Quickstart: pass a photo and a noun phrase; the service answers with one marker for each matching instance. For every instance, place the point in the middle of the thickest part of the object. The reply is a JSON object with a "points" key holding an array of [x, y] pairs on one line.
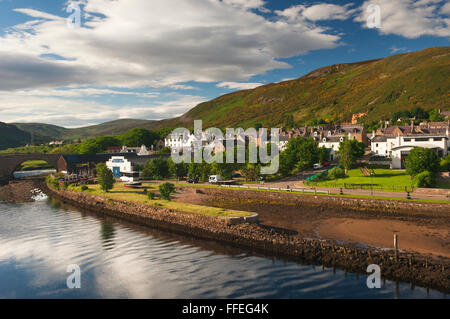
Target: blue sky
{"points": [[157, 59]]}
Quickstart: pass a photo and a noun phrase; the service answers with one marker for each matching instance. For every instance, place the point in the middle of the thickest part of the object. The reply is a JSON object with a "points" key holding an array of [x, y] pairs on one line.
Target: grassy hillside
{"points": [[335, 93], [12, 136]]}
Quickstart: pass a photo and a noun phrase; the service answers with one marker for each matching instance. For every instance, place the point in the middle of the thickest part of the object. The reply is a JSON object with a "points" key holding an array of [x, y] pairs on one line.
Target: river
{"points": [[123, 260]]}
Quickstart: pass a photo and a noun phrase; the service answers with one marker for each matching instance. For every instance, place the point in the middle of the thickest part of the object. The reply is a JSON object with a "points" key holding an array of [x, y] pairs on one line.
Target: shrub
{"points": [[65, 185], [166, 190], [84, 188], [151, 195], [420, 160], [445, 164], [424, 179], [336, 173]]}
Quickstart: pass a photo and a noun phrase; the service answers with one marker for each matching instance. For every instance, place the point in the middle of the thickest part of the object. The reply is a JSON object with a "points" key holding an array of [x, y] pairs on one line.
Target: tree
{"points": [[424, 179], [179, 171], [301, 153], [98, 144], [324, 154], [336, 173], [138, 136], [445, 164], [350, 151], [200, 170], [435, 116], [105, 177], [252, 172], [420, 160], [166, 190], [157, 168]]}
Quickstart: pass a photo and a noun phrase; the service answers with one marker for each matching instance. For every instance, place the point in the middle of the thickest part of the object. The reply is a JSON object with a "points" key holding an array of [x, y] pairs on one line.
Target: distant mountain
{"points": [[109, 128], [12, 136], [334, 93]]}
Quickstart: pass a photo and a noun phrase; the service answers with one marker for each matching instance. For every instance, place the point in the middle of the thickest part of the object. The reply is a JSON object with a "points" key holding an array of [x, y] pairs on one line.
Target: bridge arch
{"points": [[10, 162]]}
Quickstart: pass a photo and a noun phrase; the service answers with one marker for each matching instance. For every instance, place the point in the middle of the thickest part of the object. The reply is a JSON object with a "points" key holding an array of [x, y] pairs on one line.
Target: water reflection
{"points": [[107, 233], [124, 260]]}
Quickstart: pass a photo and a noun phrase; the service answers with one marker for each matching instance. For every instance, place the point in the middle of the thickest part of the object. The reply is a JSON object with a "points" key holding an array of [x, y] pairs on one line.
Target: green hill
{"points": [[11, 136], [109, 128], [334, 93]]}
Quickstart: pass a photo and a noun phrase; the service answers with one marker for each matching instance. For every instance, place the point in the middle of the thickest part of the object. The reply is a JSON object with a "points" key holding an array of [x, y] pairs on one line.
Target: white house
{"points": [[400, 146], [379, 145], [332, 143], [141, 151], [123, 168]]}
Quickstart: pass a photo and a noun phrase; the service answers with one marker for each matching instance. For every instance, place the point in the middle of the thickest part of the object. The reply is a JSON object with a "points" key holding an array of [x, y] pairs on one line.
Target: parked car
{"points": [[215, 179], [318, 166], [192, 180]]}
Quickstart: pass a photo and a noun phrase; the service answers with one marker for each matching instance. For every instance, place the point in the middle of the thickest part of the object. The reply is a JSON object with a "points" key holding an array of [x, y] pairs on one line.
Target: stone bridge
{"points": [[9, 163]]}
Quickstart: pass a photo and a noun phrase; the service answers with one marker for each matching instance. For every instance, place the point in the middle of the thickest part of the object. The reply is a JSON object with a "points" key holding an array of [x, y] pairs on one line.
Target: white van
{"points": [[318, 166], [214, 179]]}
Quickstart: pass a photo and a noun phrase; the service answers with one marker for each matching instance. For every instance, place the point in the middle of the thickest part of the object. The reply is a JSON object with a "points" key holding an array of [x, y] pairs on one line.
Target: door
{"points": [[116, 172]]}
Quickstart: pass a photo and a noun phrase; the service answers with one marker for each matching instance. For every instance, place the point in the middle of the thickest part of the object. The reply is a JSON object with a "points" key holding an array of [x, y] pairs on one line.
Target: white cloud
{"points": [[446, 9], [46, 106], [318, 12], [141, 43], [395, 49], [239, 85], [410, 19]]}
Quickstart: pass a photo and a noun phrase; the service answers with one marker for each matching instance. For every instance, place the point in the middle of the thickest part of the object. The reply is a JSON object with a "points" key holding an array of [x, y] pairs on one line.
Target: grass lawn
{"points": [[384, 179], [34, 166], [135, 195]]}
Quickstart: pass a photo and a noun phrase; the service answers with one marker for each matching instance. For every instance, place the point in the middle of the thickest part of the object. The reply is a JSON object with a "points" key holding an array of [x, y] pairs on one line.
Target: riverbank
{"points": [[416, 269], [21, 191]]}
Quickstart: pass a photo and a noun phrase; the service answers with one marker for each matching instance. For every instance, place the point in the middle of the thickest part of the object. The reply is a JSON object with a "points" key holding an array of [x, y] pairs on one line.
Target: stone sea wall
{"points": [[418, 270]]}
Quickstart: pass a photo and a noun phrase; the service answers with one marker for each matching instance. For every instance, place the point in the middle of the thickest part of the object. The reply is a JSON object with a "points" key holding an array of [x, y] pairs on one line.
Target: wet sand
{"points": [[427, 235]]}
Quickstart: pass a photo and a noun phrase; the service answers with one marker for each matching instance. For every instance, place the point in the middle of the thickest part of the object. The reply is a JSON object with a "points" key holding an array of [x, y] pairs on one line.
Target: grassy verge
{"points": [[384, 180], [119, 192]]}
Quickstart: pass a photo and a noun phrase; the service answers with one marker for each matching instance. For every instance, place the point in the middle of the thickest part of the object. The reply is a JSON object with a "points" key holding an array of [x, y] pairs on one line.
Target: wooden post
{"points": [[395, 245]]}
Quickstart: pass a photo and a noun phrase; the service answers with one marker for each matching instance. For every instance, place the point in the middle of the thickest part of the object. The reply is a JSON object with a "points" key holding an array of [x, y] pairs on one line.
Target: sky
{"points": [[79, 63]]}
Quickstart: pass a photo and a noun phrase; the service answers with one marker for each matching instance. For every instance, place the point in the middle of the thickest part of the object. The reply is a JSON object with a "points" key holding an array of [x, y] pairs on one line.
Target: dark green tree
{"points": [[138, 136], [157, 168], [301, 153], [166, 190], [105, 177], [179, 171], [420, 160], [349, 152]]}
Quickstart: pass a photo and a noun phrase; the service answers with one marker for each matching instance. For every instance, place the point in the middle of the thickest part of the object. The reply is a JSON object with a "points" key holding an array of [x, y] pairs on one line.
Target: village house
{"points": [[397, 148], [332, 144]]}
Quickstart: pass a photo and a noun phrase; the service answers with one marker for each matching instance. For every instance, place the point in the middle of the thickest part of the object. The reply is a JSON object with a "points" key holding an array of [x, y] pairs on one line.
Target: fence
{"points": [[368, 187], [295, 190]]}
